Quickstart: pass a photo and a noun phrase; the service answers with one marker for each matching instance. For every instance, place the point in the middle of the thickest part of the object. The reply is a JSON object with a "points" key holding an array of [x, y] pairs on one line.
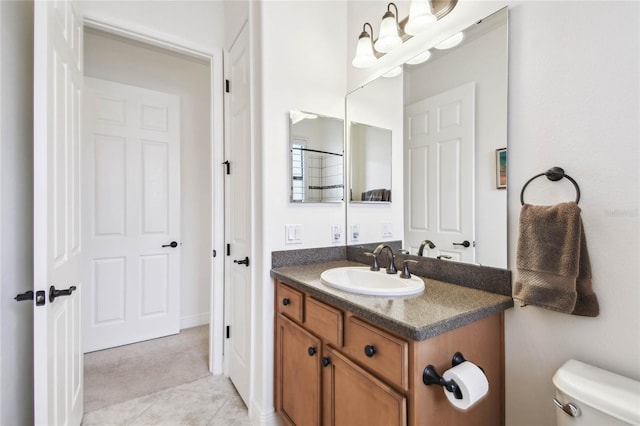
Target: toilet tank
{"points": [[602, 397]]}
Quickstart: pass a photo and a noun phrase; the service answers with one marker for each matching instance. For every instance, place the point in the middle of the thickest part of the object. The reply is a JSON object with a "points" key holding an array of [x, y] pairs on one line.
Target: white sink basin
{"points": [[361, 280]]}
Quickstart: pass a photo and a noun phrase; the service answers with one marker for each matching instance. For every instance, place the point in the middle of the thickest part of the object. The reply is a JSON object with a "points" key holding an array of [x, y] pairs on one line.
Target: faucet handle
{"points": [[405, 268], [375, 266], [391, 268]]}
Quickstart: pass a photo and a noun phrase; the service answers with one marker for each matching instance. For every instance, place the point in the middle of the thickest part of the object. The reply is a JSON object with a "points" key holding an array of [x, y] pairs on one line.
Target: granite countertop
{"points": [[440, 308]]}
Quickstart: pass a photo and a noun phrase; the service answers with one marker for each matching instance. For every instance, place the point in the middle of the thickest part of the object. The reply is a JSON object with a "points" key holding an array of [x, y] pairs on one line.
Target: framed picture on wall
{"points": [[501, 168]]}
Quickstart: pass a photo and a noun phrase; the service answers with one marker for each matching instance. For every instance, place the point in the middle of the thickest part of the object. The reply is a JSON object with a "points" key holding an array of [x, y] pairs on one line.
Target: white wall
{"points": [[573, 102], [196, 23], [117, 59], [16, 211], [303, 69], [300, 59]]}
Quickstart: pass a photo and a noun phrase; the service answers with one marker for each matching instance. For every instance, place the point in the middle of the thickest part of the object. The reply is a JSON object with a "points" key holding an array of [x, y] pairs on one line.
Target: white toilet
{"points": [[590, 396]]}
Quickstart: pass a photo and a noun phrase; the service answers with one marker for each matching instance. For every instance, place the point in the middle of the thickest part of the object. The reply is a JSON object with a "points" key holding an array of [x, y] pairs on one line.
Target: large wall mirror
{"points": [[448, 120], [316, 144]]}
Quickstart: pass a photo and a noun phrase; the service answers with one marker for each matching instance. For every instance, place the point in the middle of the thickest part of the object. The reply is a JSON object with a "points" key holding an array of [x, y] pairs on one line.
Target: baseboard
{"points": [[194, 320], [264, 419]]}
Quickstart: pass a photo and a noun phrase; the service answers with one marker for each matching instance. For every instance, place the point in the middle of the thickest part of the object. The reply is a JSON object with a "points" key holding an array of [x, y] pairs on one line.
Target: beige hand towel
{"points": [[553, 268]]}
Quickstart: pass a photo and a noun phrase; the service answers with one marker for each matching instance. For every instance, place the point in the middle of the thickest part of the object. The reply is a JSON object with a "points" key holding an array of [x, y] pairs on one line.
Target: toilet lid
{"points": [[608, 392]]}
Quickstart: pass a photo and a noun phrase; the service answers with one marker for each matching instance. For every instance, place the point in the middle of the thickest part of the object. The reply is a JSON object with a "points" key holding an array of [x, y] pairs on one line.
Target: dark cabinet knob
{"points": [[286, 301], [312, 351], [326, 361], [369, 350]]}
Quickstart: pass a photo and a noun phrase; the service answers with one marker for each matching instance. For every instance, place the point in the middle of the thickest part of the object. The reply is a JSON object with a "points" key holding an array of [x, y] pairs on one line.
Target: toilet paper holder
{"points": [[431, 377]]}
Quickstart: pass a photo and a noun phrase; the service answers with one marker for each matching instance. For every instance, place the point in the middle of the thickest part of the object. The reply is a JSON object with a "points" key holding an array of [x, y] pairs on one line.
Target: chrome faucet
{"points": [[424, 243], [391, 267]]}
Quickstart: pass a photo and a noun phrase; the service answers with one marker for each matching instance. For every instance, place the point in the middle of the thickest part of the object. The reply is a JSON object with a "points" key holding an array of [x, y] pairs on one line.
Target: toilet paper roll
{"points": [[472, 383]]}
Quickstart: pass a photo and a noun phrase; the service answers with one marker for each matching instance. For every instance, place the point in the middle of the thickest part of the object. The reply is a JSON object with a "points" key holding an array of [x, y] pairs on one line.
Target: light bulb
{"points": [[364, 52], [389, 38], [420, 17]]}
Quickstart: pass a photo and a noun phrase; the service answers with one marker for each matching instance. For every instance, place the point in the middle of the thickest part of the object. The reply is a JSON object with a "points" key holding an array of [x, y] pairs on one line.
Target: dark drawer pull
{"points": [[369, 350], [286, 301], [312, 351]]}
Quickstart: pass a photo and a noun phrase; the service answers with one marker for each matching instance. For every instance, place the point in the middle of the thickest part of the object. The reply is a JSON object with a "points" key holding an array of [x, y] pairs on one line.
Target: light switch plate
{"points": [[336, 233], [355, 233], [293, 234], [387, 229]]}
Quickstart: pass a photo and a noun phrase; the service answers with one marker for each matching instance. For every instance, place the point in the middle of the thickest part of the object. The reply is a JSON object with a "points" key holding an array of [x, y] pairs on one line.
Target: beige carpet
{"points": [[119, 374]]}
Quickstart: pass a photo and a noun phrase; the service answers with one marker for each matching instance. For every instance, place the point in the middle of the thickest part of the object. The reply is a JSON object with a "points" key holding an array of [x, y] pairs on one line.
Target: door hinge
{"points": [[227, 86], [215, 253], [228, 249], [228, 165], [228, 331]]}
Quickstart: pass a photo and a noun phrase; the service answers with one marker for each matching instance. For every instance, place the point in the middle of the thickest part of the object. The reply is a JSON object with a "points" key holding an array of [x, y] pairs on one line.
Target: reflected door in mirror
{"points": [[439, 152]]}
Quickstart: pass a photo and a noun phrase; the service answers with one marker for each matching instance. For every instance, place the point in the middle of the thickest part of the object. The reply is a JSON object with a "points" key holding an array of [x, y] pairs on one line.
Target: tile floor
{"points": [[212, 401]]}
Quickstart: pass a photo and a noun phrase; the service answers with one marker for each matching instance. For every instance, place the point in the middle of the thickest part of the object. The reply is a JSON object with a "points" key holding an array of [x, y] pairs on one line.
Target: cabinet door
{"points": [[355, 397], [297, 374]]}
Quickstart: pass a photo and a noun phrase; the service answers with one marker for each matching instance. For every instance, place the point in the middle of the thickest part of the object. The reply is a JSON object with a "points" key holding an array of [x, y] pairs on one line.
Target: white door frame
{"points": [[215, 59]]}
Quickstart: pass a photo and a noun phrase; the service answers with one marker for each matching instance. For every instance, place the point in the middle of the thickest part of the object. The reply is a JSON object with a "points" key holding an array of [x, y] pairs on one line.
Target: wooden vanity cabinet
{"points": [[360, 374], [298, 384], [353, 396]]}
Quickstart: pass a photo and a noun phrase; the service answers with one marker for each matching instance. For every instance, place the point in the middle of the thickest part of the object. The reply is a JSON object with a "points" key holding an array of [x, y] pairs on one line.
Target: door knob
{"points": [[53, 293], [244, 261], [465, 243], [172, 244]]}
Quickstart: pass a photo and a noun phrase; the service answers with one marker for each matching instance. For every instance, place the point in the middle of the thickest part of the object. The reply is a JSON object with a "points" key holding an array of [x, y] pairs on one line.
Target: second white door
{"points": [[131, 214], [238, 231]]}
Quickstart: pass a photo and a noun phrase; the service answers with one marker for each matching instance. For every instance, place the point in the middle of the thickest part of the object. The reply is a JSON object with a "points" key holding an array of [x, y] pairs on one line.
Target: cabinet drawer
{"points": [[378, 351], [290, 302], [324, 321]]}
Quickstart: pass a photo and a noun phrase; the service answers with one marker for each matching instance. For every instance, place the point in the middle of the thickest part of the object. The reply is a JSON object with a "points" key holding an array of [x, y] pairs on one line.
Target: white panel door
{"points": [[238, 220], [58, 252], [439, 152], [131, 210]]}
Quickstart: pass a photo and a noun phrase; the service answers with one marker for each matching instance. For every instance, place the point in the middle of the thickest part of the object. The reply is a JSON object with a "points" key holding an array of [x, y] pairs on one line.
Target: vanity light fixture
{"points": [[394, 32], [420, 17], [389, 36], [423, 57], [450, 42], [364, 51]]}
